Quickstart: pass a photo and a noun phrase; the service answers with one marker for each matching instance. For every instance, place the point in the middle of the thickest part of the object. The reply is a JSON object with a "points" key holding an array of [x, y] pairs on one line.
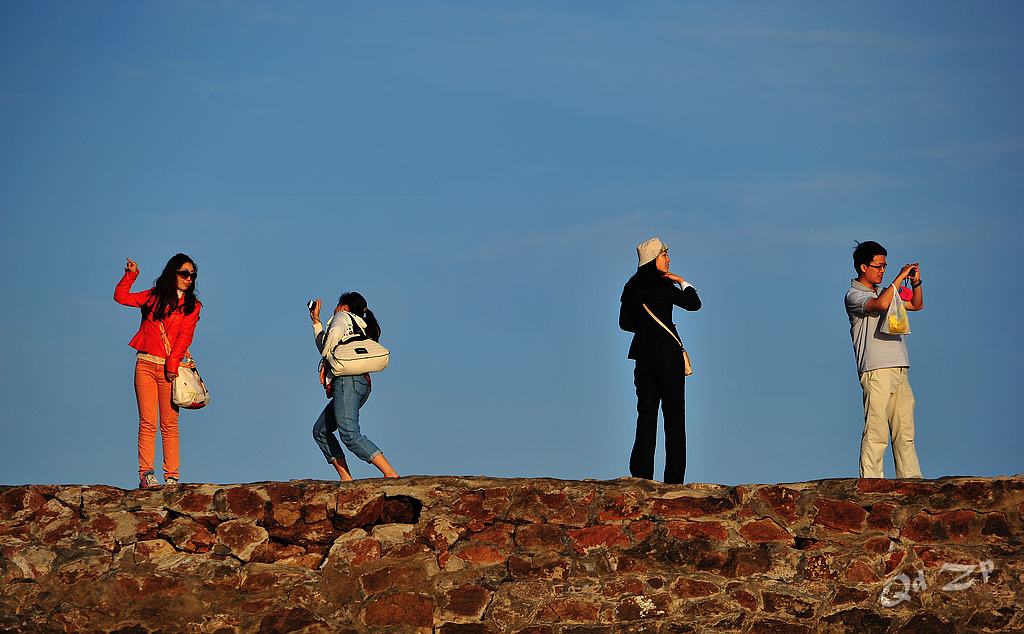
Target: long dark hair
{"points": [[164, 299], [357, 304]]}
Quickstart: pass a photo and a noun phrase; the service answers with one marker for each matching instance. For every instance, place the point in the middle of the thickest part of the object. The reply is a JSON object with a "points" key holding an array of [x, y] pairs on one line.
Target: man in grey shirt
{"points": [[882, 363]]}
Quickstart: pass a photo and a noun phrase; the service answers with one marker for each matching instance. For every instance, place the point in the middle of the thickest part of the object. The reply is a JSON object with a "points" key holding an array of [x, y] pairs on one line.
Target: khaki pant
{"points": [[888, 412]]}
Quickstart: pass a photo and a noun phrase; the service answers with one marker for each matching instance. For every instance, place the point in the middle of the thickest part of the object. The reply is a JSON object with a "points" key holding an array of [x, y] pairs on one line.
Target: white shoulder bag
{"points": [[358, 354], [188, 389]]}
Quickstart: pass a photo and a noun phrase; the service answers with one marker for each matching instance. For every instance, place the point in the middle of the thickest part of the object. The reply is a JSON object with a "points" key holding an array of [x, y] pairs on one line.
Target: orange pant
{"points": [[152, 389]]}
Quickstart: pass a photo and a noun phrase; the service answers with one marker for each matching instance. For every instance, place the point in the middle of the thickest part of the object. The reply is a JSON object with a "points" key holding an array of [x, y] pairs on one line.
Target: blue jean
{"points": [[342, 414]]}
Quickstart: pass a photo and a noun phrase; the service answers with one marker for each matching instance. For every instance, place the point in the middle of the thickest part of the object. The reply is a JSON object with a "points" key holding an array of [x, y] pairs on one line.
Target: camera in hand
{"points": [[311, 304]]}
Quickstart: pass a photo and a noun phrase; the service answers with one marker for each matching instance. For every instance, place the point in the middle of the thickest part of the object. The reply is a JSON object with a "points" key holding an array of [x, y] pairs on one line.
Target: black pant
{"points": [[659, 381]]}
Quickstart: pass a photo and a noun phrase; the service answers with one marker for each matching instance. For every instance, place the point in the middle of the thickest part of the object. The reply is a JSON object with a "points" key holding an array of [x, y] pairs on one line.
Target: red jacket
{"points": [[179, 326]]}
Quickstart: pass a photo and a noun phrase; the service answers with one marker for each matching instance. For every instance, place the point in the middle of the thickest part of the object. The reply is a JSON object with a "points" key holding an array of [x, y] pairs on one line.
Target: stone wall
{"points": [[449, 554]]}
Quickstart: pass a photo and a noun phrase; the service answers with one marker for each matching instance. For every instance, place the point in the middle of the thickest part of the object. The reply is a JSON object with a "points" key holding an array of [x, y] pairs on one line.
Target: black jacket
{"points": [[648, 287]]}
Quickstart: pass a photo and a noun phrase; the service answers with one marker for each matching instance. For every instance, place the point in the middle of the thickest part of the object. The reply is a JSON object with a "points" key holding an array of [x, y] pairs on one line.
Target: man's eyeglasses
{"points": [[879, 266], [185, 274]]}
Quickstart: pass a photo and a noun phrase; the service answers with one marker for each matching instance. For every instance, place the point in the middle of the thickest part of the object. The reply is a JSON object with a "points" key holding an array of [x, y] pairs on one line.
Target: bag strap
{"points": [[163, 337], [355, 327], [667, 329], [357, 335], [167, 343]]}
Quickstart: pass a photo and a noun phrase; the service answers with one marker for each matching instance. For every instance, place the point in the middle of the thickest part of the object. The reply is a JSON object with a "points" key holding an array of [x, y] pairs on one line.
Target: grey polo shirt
{"points": [[873, 348]]}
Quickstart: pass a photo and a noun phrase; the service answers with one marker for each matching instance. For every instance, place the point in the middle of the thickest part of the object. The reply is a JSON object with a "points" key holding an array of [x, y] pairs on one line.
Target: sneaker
{"points": [[148, 481], [171, 481]]}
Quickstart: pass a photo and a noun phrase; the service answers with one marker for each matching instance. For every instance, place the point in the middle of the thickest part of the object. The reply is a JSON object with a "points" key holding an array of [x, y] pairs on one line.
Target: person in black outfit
{"points": [[658, 375]]}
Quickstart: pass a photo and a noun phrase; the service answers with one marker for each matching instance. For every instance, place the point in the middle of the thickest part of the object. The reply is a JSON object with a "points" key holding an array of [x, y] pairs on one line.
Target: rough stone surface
{"points": [[450, 555]]}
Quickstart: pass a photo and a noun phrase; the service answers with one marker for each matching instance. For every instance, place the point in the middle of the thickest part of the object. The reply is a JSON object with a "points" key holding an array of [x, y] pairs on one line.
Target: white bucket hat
{"points": [[650, 250]]}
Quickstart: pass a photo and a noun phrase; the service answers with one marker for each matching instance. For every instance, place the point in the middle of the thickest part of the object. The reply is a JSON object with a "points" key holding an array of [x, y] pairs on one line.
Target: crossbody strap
{"points": [[356, 330], [357, 335], [167, 343], [667, 329]]}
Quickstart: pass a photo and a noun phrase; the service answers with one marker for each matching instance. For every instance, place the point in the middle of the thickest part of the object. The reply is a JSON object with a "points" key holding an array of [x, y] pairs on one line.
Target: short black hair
{"points": [[865, 252]]}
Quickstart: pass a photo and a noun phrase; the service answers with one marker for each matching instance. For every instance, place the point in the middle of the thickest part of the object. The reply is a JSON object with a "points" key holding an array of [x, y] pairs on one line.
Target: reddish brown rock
{"points": [[18, 504], [287, 513], [861, 572], [548, 567], [188, 535], [191, 502], [881, 516], [782, 501], [271, 552], [626, 506], [535, 506], [642, 607], [996, 527], [926, 623], [691, 506], [745, 562], [240, 538], [240, 502], [765, 530], [401, 608], [977, 492], [840, 515], [484, 506], [714, 531], [641, 530], [899, 487], [846, 594], [933, 557], [623, 585], [856, 621], [568, 611], [743, 597], [357, 507], [481, 555], [283, 493], [686, 588], [957, 524], [923, 528], [818, 568], [403, 576], [792, 605], [467, 600], [535, 538], [353, 549], [441, 533], [293, 620], [893, 560], [498, 534], [608, 536]]}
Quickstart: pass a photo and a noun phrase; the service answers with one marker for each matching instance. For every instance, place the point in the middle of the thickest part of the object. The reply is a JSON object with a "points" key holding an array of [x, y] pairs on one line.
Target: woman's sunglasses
{"points": [[186, 274]]}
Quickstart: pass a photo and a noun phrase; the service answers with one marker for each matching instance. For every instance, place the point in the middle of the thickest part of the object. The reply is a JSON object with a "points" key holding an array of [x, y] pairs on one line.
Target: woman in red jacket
{"points": [[172, 303]]}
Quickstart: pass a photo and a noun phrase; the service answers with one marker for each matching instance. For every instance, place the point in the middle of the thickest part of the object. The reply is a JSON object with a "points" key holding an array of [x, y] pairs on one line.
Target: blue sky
{"points": [[482, 172]]}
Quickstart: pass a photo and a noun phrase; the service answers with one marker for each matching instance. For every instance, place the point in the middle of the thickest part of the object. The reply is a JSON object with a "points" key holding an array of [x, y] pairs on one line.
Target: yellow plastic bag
{"points": [[896, 321]]}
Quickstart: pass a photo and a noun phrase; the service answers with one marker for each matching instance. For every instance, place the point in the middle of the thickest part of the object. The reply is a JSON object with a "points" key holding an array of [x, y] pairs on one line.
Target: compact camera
{"points": [[311, 304]]}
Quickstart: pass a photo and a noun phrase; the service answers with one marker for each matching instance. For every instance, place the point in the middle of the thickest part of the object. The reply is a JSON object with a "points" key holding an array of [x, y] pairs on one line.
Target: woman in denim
{"points": [[348, 392]]}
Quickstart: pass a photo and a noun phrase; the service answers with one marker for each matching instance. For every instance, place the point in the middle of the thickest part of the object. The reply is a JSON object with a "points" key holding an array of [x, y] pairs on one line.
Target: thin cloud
{"points": [[832, 184], [969, 155]]}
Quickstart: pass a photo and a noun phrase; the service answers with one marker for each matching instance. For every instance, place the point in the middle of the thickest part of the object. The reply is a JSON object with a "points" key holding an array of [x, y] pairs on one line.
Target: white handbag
{"points": [[358, 355], [188, 389]]}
